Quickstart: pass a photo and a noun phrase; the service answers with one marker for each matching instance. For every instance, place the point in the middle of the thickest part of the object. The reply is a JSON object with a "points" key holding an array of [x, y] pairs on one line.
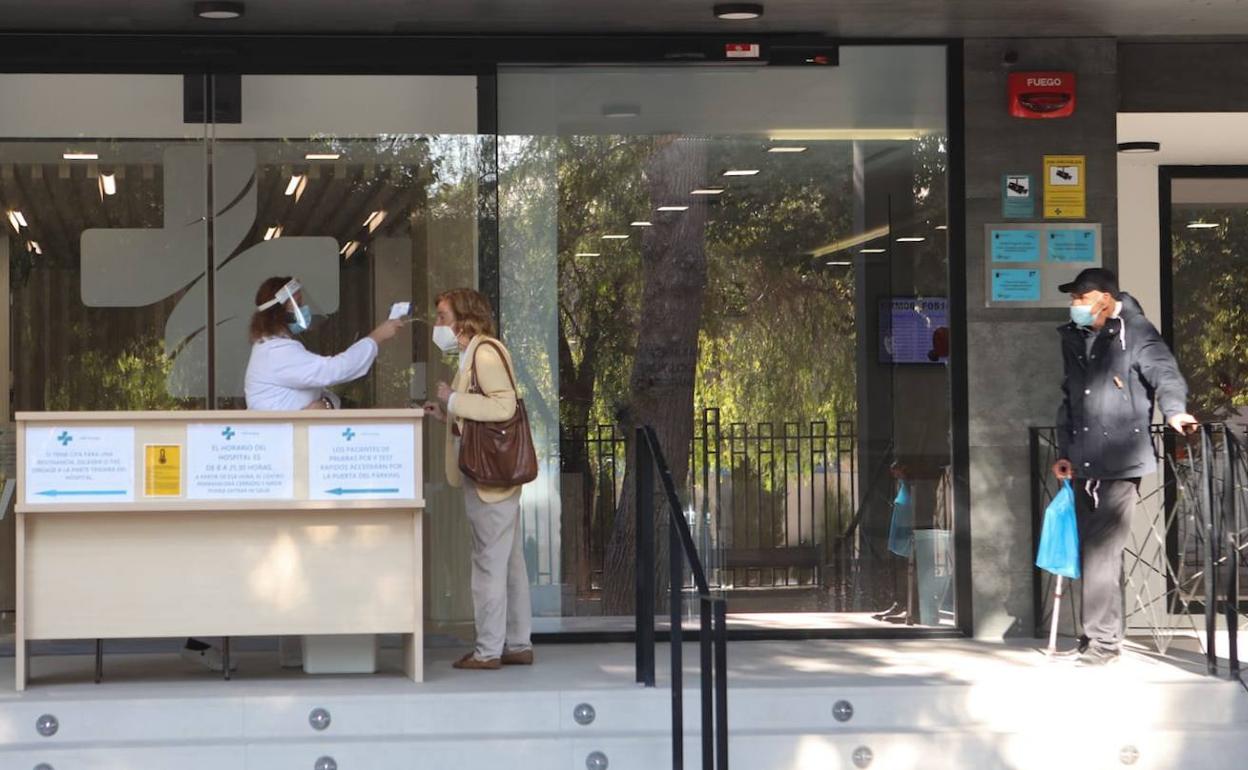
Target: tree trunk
{"points": [[673, 271], [576, 394]]}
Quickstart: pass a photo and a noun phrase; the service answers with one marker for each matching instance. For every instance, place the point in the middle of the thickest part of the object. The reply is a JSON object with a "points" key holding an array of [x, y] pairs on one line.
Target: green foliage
{"points": [[134, 378], [1211, 310]]}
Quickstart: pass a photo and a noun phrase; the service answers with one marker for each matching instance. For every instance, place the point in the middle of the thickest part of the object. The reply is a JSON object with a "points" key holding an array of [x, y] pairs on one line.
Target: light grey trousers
{"points": [[500, 581]]}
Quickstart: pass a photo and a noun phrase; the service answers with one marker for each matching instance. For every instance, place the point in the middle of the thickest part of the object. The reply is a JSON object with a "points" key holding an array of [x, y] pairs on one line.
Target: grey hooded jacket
{"points": [[1108, 395]]}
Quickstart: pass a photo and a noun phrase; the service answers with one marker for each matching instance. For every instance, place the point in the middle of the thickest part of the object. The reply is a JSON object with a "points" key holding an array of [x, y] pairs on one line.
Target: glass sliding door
{"points": [[753, 261]]}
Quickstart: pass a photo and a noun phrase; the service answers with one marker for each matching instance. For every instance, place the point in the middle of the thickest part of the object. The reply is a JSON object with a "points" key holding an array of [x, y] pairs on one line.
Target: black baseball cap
{"points": [[1092, 279]]}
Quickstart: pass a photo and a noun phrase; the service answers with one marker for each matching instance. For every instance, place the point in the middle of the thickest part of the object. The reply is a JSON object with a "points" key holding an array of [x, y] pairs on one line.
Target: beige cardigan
{"points": [[496, 402]]}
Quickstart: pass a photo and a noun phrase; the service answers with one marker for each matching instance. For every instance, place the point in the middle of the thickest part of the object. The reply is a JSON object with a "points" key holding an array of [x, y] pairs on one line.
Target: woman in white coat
{"points": [[283, 375]]}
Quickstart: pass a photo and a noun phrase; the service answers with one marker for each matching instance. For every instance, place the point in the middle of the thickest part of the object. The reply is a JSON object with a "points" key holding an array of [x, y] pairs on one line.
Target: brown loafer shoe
{"points": [[472, 663], [518, 658]]}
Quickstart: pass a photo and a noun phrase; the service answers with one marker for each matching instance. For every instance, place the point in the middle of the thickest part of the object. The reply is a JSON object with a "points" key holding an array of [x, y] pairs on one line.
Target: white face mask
{"points": [[444, 337]]}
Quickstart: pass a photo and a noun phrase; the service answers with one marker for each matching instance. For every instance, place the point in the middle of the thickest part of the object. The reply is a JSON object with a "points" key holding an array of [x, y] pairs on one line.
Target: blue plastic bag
{"points": [[1059, 537], [901, 528]]}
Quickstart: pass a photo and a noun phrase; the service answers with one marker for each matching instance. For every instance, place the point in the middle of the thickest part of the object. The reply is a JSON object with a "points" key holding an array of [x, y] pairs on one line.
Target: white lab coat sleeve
{"points": [[296, 367]]}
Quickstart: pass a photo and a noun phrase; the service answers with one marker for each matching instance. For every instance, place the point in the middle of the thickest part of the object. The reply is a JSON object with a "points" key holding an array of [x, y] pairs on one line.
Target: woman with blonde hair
{"points": [[483, 390]]}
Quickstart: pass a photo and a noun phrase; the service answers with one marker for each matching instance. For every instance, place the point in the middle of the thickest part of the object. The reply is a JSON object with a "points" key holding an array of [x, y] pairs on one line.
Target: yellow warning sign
{"points": [[1065, 187], [162, 470]]}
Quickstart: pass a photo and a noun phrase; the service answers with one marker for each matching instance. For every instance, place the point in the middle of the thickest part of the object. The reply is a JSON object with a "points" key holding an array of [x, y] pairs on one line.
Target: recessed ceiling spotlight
{"points": [[621, 110], [1141, 147], [217, 11], [738, 11]]}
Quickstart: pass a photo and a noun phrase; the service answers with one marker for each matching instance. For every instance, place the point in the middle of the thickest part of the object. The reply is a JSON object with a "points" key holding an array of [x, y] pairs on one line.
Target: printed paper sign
{"points": [[1015, 246], [79, 465], [245, 461], [162, 470], [1015, 285], [361, 462], [1072, 246], [1017, 201], [1065, 187]]}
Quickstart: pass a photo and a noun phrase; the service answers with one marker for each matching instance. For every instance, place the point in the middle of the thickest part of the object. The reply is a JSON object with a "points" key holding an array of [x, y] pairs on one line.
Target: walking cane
{"points": [[1057, 605]]}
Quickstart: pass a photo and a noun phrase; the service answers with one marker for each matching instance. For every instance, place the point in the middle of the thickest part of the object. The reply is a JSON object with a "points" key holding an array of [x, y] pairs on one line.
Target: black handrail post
{"points": [[706, 643], [644, 579], [1210, 555], [721, 684], [675, 580], [1230, 525]]}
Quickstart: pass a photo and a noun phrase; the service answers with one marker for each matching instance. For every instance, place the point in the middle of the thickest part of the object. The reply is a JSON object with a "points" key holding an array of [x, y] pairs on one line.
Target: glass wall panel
{"points": [[753, 261]]}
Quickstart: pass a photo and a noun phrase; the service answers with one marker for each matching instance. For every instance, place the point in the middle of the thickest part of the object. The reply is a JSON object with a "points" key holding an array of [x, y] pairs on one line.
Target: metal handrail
{"points": [[712, 637]]}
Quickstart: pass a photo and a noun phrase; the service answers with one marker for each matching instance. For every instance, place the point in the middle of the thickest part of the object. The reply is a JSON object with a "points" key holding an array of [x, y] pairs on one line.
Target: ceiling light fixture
{"points": [[34, 246], [349, 249], [374, 219], [640, 223], [1203, 225], [874, 251], [1139, 147], [707, 191], [108, 184], [614, 237], [621, 110], [293, 184], [21, 218], [219, 11], [738, 11], [322, 156], [787, 148], [303, 183], [672, 208], [741, 172], [911, 239], [16, 220], [80, 155], [942, 227], [588, 254], [840, 264], [273, 232]]}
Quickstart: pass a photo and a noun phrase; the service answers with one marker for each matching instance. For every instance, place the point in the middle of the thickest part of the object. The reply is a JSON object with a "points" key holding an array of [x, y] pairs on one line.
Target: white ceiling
{"points": [[1187, 138], [846, 18]]}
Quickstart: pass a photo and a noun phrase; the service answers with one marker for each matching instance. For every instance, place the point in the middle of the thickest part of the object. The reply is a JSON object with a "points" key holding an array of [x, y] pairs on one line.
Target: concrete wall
{"points": [[1014, 365]]}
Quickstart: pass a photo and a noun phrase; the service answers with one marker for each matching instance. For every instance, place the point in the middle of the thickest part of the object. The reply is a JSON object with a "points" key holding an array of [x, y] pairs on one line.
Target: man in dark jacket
{"points": [[1116, 368]]}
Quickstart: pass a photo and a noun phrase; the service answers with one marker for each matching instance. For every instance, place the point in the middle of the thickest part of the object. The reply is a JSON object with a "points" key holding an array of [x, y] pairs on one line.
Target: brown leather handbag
{"points": [[498, 454]]}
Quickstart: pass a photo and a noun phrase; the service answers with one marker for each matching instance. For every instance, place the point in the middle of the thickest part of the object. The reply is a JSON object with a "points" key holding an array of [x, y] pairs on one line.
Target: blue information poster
{"points": [[1015, 246], [1015, 285], [1077, 245]]}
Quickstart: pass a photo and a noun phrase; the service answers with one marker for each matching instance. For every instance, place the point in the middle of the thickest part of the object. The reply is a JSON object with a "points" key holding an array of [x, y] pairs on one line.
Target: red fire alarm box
{"points": [[1042, 94]]}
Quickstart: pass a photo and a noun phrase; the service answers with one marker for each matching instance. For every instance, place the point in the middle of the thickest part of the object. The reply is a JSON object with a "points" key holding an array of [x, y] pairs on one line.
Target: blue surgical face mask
{"points": [[305, 313], [1082, 315]]}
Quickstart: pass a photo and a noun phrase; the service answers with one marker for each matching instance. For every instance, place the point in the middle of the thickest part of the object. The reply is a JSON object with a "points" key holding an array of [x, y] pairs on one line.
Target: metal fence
{"points": [[1184, 564], [770, 504]]}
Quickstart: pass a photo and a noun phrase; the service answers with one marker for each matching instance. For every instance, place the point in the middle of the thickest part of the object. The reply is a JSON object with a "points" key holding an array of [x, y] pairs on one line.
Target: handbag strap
{"points": [[501, 354]]}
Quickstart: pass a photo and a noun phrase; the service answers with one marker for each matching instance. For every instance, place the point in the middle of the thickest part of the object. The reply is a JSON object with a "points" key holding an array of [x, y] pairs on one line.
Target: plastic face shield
{"points": [[297, 303]]}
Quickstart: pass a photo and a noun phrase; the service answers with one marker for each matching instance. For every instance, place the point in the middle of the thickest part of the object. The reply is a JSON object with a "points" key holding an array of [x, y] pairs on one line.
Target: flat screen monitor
{"points": [[914, 330]]}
